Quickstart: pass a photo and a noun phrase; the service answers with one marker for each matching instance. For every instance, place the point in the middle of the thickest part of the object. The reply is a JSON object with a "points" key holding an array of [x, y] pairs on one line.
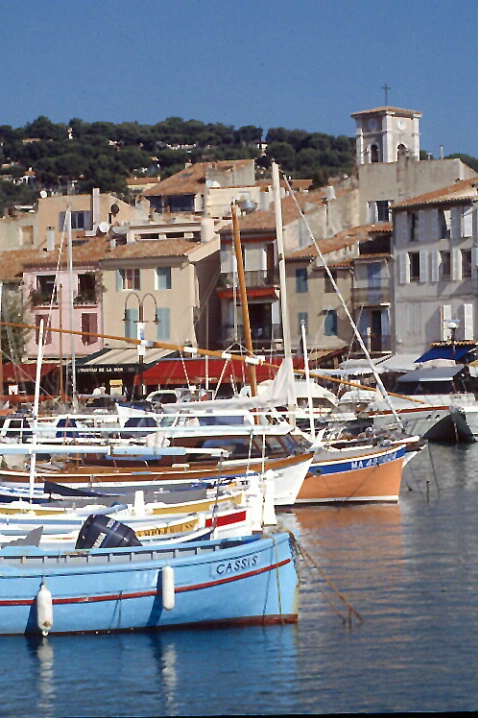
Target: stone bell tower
{"points": [[383, 134]]}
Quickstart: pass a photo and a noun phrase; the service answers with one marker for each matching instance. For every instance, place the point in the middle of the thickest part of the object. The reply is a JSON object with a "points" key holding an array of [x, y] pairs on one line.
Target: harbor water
{"points": [[410, 572]]}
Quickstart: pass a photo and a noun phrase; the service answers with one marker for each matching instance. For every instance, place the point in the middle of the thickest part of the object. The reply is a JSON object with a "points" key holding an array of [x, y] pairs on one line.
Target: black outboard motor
{"points": [[100, 531]]}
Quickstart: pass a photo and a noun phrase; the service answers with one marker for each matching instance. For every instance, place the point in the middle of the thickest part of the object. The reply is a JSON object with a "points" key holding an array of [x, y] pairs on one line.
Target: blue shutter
{"points": [[330, 324], [301, 281], [62, 225], [131, 323], [163, 275], [119, 280], [163, 317]]}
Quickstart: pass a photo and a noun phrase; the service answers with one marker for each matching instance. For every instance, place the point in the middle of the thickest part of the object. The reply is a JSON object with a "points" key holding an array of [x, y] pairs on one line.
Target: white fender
{"points": [[44, 609], [167, 587]]}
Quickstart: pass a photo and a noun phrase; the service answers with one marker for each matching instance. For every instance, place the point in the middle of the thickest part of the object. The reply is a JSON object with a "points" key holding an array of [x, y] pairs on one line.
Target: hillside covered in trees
{"points": [[105, 154]]}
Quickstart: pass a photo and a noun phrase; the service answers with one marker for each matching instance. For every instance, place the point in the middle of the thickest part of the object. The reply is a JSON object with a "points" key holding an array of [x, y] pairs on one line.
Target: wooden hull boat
{"points": [[359, 476], [223, 582], [288, 475]]}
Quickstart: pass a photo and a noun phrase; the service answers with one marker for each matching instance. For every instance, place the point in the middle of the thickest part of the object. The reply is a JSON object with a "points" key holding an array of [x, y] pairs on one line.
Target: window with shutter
{"points": [[456, 264], [414, 259], [131, 320], [413, 226], [466, 261], [435, 273], [163, 278], [467, 319], [445, 265], [301, 281], [467, 222], [330, 323], [403, 268], [423, 266], [163, 320], [445, 320], [400, 228]]}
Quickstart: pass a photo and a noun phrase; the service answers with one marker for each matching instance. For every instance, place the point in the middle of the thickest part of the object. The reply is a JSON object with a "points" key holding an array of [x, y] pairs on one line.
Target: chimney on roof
{"points": [[95, 207], [50, 239]]}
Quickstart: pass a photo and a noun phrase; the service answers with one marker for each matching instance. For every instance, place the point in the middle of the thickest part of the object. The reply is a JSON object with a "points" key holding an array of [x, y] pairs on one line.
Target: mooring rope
{"points": [[309, 561], [279, 597]]}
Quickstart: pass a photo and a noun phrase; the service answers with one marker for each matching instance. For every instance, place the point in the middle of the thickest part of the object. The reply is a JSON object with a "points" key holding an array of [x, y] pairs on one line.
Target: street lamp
{"points": [[140, 330], [452, 326]]}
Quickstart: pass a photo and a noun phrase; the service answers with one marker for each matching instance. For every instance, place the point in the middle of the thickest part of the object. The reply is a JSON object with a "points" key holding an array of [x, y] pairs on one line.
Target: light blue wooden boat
{"points": [[250, 580]]}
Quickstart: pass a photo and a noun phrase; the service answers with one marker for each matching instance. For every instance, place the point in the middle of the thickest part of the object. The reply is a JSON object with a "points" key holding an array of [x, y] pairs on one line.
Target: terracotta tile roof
{"points": [[462, 190], [343, 239], [192, 179], [153, 248], [389, 110], [89, 251], [261, 219], [12, 261]]}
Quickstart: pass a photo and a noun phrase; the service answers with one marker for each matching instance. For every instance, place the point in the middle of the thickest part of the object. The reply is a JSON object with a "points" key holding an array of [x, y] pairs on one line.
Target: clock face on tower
{"points": [[401, 124], [372, 124]]}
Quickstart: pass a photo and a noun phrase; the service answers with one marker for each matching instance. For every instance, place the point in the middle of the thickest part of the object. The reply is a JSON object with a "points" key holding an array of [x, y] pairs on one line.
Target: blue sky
{"points": [[304, 64]]}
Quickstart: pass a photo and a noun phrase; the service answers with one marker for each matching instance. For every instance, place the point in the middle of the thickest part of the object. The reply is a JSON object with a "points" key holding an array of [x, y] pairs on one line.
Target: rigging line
{"points": [[344, 306], [328, 581], [202, 352], [324, 594]]}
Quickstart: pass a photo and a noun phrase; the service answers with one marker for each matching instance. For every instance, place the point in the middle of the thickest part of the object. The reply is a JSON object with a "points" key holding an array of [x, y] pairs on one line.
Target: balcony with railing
{"points": [[262, 336], [371, 294], [376, 344], [42, 298], [86, 297], [258, 278]]}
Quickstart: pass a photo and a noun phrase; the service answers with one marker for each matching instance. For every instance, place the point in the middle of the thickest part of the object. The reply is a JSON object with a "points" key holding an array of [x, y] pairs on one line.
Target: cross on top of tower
{"points": [[386, 88]]}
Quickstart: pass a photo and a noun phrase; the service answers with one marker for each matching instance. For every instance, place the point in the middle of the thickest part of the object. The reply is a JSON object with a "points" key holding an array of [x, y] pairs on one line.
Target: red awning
{"points": [[195, 371], [25, 372]]}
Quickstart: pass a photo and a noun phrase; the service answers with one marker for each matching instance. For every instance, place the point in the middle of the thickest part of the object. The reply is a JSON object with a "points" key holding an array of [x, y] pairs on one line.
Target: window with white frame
{"points": [[129, 279]]}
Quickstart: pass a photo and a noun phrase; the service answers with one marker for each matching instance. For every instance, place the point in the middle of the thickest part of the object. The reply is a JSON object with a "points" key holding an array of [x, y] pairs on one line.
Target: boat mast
{"points": [[282, 283], [243, 296], [35, 408], [307, 379], [356, 332], [72, 309]]}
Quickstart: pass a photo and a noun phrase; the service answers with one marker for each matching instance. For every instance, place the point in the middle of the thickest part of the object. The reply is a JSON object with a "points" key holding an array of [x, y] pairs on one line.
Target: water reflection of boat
{"points": [[373, 532]]}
